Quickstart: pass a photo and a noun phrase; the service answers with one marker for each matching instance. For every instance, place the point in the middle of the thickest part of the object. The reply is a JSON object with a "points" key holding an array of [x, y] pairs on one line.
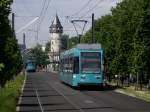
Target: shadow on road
{"points": [[96, 88], [93, 87]]}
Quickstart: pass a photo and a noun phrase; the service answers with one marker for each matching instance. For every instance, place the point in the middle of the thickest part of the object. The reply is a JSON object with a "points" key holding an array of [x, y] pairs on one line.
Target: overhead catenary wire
{"points": [[45, 11], [31, 22], [42, 14], [43, 6], [91, 9], [82, 8], [24, 16], [84, 15]]}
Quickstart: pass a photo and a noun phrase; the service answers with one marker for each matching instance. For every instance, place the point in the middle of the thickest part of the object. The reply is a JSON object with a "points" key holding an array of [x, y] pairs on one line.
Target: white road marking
{"points": [[42, 110], [88, 101]]}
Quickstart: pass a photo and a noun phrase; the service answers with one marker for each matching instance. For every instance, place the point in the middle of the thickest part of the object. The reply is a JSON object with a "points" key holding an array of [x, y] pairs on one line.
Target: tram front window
{"points": [[90, 62], [76, 65]]}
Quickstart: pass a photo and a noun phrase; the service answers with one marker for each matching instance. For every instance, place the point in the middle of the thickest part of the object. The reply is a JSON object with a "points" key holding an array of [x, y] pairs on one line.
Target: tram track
{"points": [[50, 95], [115, 101], [39, 102], [41, 105], [67, 99]]}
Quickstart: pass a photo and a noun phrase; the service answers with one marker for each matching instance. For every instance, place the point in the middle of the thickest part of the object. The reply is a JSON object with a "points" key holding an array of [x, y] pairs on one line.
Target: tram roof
{"points": [[88, 46], [83, 47]]}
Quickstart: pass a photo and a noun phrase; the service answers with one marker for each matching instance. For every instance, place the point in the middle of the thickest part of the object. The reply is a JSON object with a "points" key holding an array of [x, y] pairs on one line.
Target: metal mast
{"points": [[82, 29]]}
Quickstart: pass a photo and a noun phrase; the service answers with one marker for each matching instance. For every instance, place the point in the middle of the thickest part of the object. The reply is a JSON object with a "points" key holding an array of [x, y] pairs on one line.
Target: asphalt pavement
{"points": [[44, 92]]}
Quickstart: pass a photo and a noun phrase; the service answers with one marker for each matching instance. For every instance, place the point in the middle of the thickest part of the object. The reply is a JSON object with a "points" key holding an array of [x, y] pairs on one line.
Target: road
{"points": [[43, 92]]}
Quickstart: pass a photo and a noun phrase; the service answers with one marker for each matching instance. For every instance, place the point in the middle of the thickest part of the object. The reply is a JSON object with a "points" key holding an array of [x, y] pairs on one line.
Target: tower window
{"points": [[52, 42]]}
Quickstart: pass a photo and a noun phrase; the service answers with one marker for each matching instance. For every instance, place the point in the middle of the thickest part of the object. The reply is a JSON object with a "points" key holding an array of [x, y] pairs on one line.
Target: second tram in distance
{"points": [[30, 66], [82, 65]]}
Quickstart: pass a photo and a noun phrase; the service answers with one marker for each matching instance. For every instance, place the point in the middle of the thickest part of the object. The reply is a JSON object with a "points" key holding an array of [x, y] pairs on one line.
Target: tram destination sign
{"points": [[90, 54]]}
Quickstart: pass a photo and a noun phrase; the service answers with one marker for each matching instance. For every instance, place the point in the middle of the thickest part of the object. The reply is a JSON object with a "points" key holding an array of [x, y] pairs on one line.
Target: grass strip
{"points": [[144, 94], [10, 94]]}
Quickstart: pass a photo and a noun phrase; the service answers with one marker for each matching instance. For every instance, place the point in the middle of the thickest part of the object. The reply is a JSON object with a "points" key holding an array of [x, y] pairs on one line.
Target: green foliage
{"points": [[64, 42], [40, 57], [72, 42], [10, 94], [10, 55], [125, 37], [48, 47], [1, 67]]}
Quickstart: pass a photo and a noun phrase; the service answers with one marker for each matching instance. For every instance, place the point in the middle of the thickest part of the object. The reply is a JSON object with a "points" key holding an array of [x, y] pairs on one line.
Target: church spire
{"points": [[56, 26]]}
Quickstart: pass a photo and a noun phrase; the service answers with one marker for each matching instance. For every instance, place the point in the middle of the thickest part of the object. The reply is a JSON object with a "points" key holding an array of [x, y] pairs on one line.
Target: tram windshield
{"points": [[30, 63], [90, 62]]}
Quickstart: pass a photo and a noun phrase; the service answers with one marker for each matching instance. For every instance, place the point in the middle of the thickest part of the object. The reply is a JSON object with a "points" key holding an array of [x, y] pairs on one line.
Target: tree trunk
{"points": [[141, 79], [137, 81], [2, 83], [128, 83]]}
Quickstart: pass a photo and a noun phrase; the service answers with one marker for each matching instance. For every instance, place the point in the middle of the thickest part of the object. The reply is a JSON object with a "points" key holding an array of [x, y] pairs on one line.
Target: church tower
{"points": [[56, 30]]}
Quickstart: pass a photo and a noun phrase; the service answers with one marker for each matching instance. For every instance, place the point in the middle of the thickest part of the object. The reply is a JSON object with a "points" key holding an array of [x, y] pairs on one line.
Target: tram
{"points": [[82, 65], [30, 66]]}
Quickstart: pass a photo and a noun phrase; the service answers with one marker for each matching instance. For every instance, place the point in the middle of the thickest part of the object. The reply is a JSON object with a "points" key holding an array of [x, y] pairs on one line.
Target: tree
{"points": [[72, 42], [10, 55], [48, 47], [64, 42], [40, 57], [1, 67], [124, 35]]}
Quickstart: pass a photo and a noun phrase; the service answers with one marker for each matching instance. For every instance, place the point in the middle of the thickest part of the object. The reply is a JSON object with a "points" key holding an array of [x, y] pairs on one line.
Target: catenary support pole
{"points": [[93, 40], [13, 24]]}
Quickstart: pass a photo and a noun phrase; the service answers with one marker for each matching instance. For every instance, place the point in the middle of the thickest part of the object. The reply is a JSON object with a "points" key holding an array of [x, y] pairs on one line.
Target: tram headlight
{"points": [[74, 76]]}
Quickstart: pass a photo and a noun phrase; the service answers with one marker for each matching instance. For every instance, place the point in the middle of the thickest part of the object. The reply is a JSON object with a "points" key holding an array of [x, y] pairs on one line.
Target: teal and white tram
{"points": [[82, 65]]}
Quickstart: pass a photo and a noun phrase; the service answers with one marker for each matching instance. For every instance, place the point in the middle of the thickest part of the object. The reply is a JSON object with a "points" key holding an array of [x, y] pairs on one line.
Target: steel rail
{"points": [[37, 95], [67, 99], [40, 104]]}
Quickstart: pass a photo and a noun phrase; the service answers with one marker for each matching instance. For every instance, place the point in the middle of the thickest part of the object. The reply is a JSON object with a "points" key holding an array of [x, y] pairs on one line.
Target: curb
{"points": [[20, 98]]}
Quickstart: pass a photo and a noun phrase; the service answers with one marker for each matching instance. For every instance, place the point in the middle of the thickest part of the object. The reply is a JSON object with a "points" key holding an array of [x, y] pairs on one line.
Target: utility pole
{"points": [[93, 40], [13, 24], [24, 40], [24, 57], [79, 38]]}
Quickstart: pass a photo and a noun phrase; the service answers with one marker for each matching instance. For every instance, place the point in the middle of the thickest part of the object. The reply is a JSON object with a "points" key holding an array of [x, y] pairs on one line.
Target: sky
{"points": [[43, 12]]}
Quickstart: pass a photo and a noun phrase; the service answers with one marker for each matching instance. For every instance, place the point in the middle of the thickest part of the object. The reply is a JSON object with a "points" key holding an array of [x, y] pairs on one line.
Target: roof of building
{"points": [[56, 26]]}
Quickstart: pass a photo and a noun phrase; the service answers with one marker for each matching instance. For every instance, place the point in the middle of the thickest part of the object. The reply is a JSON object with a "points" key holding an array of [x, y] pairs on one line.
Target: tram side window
{"points": [[76, 65], [65, 66], [61, 65]]}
